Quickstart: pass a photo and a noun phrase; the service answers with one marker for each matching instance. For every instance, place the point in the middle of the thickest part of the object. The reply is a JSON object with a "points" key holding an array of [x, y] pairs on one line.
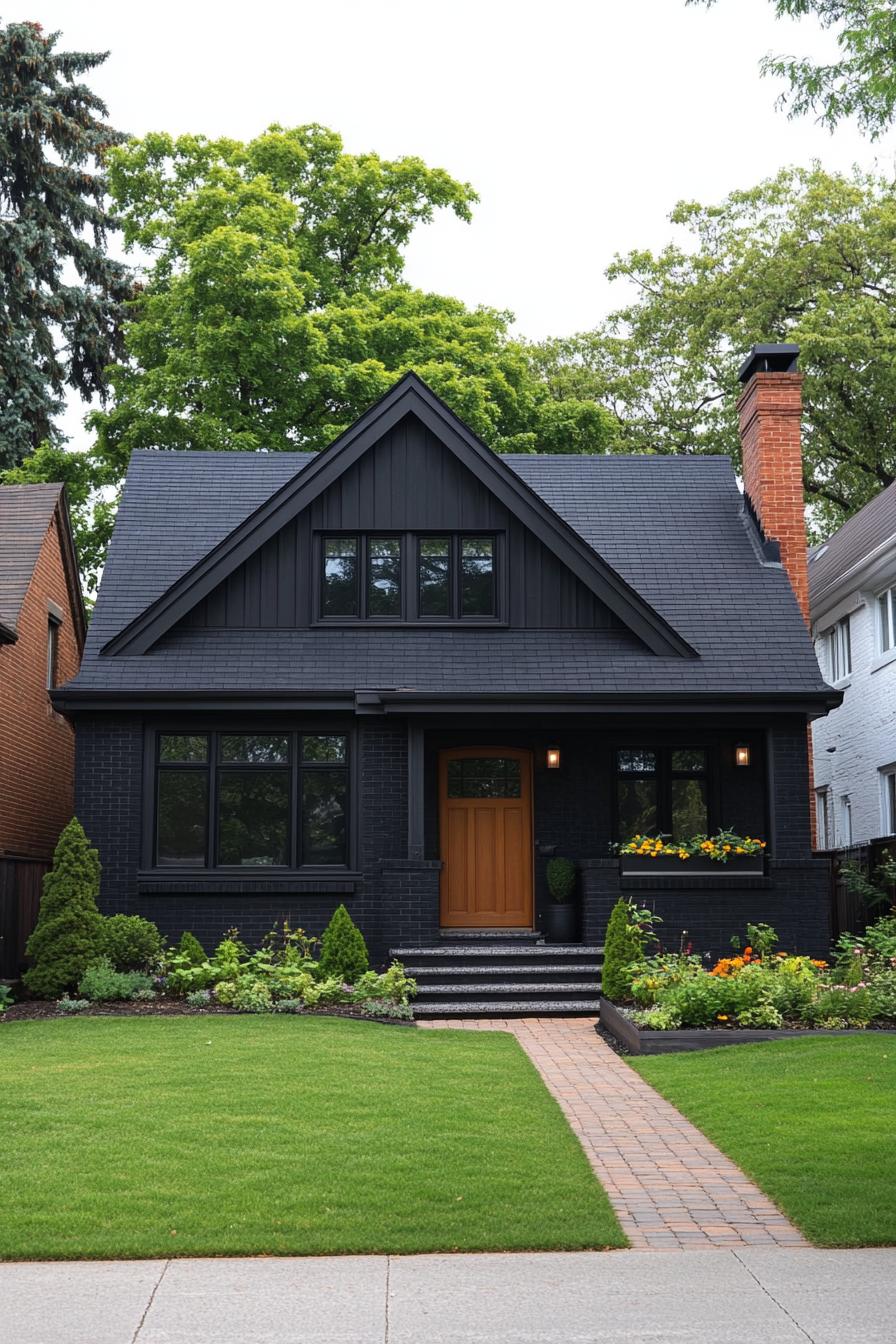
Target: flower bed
{"points": [[33, 1010], [757, 990], [283, 976]]}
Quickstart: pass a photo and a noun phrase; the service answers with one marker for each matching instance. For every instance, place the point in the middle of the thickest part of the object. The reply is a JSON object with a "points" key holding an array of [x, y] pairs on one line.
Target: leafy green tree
{"points": [[272, 313], [61, 296], [343, 951], [806, 256], [860, 83], [69, 932]]}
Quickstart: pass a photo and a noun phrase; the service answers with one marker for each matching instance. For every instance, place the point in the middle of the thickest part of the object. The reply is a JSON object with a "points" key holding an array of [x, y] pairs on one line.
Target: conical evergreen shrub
{"points": [[190, 947], [343, 950], [623, 945], [69, 930]]}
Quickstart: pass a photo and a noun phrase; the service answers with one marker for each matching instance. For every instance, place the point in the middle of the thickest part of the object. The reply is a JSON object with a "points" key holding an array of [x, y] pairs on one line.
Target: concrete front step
{"points": [[448, 951], [509, 1008], [527, 988], [554, 968]]}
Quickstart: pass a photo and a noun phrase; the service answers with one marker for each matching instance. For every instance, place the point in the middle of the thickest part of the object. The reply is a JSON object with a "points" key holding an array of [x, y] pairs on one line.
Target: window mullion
{"points": [[296, 809], [212, 825]]}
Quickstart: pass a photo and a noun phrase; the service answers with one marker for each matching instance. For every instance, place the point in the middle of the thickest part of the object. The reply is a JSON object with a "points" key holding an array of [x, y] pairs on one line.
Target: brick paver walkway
{"points": [[671, 1188]]}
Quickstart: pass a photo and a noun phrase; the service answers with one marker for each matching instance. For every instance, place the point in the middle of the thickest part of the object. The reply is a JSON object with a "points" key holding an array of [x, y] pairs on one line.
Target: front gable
{"points": [[408, 466]]}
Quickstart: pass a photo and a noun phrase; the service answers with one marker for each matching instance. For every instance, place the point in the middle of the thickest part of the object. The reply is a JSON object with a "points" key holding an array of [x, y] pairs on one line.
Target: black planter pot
{"points": [[561, 922]]}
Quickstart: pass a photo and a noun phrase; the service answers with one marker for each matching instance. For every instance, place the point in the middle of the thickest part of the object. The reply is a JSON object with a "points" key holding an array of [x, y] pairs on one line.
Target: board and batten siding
{"points": [[408, 482]]}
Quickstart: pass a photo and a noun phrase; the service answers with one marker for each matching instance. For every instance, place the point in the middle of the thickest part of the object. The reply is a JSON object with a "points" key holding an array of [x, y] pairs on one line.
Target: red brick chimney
{"points": [[770, 409]]}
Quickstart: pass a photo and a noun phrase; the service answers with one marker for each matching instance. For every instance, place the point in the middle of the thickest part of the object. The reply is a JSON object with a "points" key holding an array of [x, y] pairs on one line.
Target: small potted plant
{"points": [[561, 914]]}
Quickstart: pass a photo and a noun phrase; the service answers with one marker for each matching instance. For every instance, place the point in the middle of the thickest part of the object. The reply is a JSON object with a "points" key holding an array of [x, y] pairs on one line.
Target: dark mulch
{"points": [[31, 1010]]}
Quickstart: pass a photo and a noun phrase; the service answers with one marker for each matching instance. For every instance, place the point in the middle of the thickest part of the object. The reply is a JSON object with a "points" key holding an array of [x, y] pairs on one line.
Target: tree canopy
{"points": [[60, 294], [806, 256], [271, 312], [860, 83]]}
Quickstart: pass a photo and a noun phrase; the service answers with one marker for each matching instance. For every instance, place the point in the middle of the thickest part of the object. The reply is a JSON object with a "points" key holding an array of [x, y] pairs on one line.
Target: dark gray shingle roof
{"points": [[856, 540], [672, 527], [25, 514]]}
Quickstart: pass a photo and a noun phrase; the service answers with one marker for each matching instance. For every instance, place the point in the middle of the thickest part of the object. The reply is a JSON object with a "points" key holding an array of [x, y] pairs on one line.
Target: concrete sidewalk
{"points": [[776, 1296]]}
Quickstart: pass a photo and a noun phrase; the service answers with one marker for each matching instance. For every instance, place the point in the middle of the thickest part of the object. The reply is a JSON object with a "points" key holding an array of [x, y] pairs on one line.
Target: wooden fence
{"points": [[849, 911], [21, 883]]}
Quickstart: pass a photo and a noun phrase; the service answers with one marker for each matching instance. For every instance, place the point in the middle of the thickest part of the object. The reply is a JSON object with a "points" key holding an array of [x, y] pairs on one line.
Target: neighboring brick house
{"points": [[853, 602], [403, 672], [42, 631]]}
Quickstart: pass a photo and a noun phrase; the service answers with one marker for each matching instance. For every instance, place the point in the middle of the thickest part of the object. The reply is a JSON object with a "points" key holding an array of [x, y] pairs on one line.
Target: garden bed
{"points": [[641, 1041], [40, 1009]]}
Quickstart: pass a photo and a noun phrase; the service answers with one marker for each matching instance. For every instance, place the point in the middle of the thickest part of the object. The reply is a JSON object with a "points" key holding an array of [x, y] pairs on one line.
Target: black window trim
{"points": [[664, 775], [409, 582], [249, 873], [54, 625]]}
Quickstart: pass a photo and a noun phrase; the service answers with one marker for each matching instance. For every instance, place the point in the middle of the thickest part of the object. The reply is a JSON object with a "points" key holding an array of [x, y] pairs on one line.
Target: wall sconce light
{"points": [[553, 759], [742, 755]]}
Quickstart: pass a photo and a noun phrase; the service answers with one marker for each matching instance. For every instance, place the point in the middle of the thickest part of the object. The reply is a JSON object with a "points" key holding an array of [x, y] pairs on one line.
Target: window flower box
{"points": [[664, 865], [725, 854]]}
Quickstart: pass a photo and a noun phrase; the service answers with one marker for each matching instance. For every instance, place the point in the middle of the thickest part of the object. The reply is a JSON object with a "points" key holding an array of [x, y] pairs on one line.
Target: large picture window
{"points": [[250, 800], [661, 791], [408, 578]]}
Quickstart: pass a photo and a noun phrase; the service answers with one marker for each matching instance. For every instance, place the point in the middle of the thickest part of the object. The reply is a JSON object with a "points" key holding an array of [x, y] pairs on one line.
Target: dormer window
{"points": [[365, 577]]}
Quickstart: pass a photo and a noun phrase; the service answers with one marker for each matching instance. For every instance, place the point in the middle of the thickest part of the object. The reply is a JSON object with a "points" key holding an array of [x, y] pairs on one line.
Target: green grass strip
{"points": [[128, 1137], [812, 1122]]}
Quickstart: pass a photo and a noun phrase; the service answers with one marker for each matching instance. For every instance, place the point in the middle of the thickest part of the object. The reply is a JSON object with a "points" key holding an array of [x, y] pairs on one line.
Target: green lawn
{"points": [[124, 1137], [813, 1122]]}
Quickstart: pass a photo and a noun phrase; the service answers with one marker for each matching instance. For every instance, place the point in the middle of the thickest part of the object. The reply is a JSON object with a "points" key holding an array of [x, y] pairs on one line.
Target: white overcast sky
{"points": [[580, 124]]}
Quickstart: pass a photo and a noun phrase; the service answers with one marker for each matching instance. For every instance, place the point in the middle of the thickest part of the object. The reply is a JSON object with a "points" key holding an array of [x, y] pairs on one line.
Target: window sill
{"points": [[883, 660], [176, 881], [842, 683]]}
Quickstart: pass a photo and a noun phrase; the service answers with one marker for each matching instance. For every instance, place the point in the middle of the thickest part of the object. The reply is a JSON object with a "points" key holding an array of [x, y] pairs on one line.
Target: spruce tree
{"points": [[623, 945], [61, 296], [343, 950], [69, 930]]}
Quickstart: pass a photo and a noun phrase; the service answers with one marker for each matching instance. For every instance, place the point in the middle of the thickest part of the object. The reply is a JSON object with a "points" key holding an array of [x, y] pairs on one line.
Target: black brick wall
{"points": [[396, 901]]}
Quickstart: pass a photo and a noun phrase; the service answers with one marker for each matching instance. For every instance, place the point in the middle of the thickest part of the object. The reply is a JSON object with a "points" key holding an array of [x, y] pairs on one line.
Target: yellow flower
{"points": [[722, 1017]]}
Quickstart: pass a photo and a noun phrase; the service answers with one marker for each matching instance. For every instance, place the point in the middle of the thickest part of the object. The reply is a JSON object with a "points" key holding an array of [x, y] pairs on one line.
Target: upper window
{"points": [[888, 800], [661, 791], [886, 620], [250, 800], [409, 578], [839, 651], [52, 651]]}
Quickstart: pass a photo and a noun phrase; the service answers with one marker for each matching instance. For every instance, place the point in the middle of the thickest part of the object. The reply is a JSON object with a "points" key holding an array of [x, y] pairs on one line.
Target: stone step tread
{"points": [[548, 988], [511, 1008], [513, 968], [499, 949]]}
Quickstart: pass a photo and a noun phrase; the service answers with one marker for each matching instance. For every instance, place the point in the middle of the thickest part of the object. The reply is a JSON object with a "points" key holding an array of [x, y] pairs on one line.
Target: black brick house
{"points": [[404, 671]]}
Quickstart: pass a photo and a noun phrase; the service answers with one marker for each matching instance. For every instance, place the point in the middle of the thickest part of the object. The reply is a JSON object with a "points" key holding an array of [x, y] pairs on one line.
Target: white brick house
{"points": [[852, 594]]}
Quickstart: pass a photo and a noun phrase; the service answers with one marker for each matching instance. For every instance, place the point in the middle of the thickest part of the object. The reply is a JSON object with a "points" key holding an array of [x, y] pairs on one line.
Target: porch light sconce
{"points": [[742, 755], [553, 758]]}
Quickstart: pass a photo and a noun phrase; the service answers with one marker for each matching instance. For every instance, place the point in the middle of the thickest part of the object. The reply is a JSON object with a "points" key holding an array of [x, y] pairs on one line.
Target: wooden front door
{"points": [[485, 824]]}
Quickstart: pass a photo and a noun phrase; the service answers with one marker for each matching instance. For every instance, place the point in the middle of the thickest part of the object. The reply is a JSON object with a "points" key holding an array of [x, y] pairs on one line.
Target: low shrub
{"points": [[289, 1006], [191, 950], [841, 1006], [665, 1018], [199, 998], [131, 943], [144, 995], [246, 994], [393, 985], [655, 976], [6, 998], [402, 1012], [763, 1015], [343, 952], [68, 1006], [102, 983]]}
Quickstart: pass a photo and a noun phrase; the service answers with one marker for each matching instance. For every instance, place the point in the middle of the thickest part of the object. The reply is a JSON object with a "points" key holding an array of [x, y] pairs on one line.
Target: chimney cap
{"points": [[769, 359]]}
